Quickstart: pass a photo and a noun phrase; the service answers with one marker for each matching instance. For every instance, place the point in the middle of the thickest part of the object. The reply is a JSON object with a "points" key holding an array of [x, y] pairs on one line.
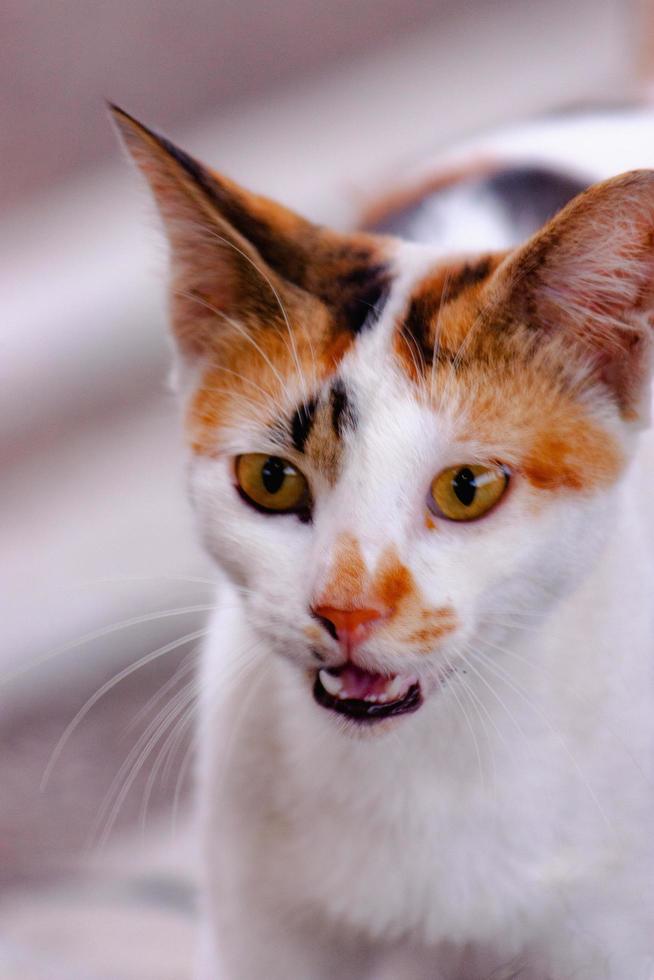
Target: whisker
{"points": [[168, 753], [100, 633], [122, 579], [506, 678], [221, 775], [188, 664], [580, 695], [482, 774], [184, 710], [245, 663], [244, 379], [255, 405], [239, 329], [469, 663], [267, 280], [183, 770], [105, 688], [132, 765], [178, 713], [437, 333], [481, 707], [155, 728]]}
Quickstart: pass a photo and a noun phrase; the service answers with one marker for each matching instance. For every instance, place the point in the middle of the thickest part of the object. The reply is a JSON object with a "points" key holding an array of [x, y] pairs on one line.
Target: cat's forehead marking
{"points": [[302, 422], [343, 409], [336, 401], [318, 426]]}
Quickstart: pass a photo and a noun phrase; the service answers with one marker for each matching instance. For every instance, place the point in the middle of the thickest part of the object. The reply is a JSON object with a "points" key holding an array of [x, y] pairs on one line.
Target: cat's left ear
{"points": [[588, 279]]}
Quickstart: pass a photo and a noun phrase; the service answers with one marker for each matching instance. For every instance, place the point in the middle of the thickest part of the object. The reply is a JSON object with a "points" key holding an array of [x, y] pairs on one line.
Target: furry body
{"points": [[503, 828], [535, 836], [512, 817]]}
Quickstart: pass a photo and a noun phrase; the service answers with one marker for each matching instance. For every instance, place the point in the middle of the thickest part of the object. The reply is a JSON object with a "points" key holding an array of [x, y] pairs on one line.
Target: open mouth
{"points": [[365, 696]]}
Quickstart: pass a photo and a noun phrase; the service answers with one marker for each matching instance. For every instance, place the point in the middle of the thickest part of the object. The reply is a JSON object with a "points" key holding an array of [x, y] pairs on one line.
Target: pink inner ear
{"points": [[597, 257], [588, 279]]}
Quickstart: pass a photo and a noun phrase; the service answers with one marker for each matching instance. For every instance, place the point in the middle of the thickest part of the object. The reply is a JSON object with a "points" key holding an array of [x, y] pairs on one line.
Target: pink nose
{"points": [[349, 626]]}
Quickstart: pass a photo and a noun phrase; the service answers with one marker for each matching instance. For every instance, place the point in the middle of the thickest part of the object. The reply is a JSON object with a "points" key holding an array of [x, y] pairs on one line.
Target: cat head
{"points": [[391, 454]]}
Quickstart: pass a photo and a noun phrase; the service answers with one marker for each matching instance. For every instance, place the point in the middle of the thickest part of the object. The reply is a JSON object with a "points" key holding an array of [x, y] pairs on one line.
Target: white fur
{"points": [[506, 826]]}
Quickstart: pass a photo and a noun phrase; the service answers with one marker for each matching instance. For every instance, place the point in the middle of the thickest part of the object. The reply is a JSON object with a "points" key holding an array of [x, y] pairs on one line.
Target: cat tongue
{"points": [[352, 683]]}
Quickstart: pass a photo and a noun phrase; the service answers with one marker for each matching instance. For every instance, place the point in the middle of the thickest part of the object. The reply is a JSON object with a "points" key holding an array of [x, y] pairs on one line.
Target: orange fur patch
{"points": [[251, 370], [444, 622], [578, 457], [346, 586], [391, 589], [393, 583]]}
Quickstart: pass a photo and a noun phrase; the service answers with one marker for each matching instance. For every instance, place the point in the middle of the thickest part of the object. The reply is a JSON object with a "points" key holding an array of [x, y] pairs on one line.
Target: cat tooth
{"points": [[333, 685], [396, 687]]}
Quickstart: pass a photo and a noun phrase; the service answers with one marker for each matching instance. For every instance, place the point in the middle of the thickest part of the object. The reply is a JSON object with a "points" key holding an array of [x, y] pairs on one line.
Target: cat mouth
{"points": [[365, 696]]}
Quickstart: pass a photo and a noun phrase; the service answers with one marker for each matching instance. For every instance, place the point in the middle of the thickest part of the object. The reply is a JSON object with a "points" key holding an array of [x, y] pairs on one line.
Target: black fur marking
{"points": [[301, 424], [469, 275], [363, 293], [419, 323], [416, 329], [343, 414]]}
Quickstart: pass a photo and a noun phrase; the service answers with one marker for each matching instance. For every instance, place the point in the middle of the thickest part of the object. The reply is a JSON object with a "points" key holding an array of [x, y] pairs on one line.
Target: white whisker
{"points": [[104, 631], [105, 688], [506, 678]]}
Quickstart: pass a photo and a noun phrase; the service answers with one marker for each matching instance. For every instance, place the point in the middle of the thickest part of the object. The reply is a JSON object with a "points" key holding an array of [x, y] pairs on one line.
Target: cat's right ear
{"points": [[215, 271], [586, 281], [238, 256]]}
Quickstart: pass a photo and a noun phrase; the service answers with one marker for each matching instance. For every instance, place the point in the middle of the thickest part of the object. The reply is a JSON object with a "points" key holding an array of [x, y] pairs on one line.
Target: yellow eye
{"points": [[464, 493], [272, 484]]}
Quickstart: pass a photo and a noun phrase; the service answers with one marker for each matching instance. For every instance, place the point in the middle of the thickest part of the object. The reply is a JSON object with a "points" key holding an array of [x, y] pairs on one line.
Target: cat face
{"points": [[392, 455]]}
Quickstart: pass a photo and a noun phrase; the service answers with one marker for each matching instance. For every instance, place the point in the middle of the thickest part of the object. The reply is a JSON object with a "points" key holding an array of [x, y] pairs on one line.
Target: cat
{"points": [[427, 728]]}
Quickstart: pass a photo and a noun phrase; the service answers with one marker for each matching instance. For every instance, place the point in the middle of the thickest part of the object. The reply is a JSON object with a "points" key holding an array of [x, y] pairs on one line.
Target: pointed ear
{"points": [[587, 280], [242, 256]]}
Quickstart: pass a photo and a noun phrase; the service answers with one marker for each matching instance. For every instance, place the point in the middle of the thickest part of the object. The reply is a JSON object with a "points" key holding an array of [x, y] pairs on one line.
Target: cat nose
{"points": [[349, 626]]}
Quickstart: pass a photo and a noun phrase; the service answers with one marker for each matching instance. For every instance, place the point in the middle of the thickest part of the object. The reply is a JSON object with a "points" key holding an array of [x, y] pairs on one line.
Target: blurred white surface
{"points": [[129, 915]]}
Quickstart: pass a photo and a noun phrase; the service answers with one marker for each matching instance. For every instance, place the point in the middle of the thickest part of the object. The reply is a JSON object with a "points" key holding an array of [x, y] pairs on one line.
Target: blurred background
{"points": [[323, 105]]}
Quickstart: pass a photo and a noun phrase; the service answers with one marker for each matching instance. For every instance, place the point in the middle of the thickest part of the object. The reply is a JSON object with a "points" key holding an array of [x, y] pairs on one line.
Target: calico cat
{"points": [[428, 715]]}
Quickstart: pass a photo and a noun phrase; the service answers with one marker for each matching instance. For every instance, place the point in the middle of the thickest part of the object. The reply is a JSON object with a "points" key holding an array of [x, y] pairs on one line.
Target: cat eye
{"points": [[272, 484], [464, 493]]}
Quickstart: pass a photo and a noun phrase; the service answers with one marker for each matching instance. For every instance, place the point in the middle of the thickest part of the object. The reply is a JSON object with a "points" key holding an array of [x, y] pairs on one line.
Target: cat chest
{"points": [[423, 867]]}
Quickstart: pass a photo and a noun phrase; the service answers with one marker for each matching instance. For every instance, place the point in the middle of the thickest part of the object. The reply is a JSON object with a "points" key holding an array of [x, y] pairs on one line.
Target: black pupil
{"points": [[273, 474], [465, 486]]}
